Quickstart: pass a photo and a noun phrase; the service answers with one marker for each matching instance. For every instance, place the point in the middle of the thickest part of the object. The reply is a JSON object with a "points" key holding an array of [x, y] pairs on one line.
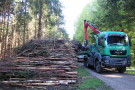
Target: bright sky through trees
{"points": [[71, 11]]}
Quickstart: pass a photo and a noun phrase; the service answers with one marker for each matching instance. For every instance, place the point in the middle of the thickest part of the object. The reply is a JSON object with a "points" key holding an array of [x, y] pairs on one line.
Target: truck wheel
{"points": [[121, 70], [86, 62], [98, 67]]}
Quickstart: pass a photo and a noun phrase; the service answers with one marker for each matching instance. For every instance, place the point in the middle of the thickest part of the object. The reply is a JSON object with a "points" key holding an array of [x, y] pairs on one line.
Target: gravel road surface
{"points": [[114, 79]]}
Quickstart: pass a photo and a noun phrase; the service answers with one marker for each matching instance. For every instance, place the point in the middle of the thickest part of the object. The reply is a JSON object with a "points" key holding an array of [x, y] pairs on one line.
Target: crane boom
{"points": [[94, 29]]}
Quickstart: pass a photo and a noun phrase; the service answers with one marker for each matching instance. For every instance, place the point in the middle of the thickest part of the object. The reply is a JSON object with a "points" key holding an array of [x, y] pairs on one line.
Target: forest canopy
{"points": [[25, 20]]}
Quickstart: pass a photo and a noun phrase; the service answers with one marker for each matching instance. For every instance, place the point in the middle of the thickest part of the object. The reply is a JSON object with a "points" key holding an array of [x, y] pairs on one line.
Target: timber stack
{"points": [[40, 64]]}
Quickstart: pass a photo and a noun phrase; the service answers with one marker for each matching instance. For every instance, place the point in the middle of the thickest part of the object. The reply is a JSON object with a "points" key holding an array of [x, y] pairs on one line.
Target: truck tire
{"points": [[86, 62], [121, 70], [98, 67]]}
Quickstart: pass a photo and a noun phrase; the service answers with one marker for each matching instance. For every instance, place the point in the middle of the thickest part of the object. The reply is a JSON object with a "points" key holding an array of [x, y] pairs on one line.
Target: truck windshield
{"points": [[117, 40]]}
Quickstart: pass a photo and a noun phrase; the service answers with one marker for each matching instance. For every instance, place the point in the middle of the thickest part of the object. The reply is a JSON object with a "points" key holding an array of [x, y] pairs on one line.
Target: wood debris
{"points": [[55, 68]]}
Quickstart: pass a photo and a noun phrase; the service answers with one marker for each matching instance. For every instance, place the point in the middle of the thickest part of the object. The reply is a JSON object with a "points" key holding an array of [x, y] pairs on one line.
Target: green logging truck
{"points": [[111, 49]]}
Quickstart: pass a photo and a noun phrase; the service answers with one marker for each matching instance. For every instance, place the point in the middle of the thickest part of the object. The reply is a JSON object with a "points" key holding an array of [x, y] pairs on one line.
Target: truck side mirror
{"points": [[100, 42]]}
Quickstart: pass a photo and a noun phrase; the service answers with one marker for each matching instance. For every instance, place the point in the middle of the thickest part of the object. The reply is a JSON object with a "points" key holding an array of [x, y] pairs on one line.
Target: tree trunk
{"points": [[13, 35], [27, 38], [7, 30], [40, 21], [24, 33], [35, 36], [3, 32]]}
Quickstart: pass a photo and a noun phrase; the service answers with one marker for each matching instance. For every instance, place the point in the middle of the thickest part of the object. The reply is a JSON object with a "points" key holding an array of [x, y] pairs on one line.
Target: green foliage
{"points": [[130, 70], [24, 15], [52, 17]]}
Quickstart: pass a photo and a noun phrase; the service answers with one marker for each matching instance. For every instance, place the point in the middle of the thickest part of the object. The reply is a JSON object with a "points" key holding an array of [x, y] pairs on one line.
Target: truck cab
{"points": [[111, 50]]}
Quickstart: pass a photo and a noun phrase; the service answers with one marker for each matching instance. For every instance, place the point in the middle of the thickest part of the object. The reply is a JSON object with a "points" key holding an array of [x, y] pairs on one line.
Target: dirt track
{"points": [[114, 79]]}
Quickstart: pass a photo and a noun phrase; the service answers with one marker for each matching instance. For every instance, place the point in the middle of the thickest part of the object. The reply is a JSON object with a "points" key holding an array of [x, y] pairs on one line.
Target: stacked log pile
{"points": [[45, 63]]}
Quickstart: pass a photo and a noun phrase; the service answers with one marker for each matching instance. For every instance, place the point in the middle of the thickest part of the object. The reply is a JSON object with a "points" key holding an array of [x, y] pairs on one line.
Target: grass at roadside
{"points": [[130, 70], [82, 72], [87, 82]]}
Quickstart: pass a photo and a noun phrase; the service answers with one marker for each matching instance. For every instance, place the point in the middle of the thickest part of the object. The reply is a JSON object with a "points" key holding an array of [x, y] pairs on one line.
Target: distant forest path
{"points": [[114, 79]]}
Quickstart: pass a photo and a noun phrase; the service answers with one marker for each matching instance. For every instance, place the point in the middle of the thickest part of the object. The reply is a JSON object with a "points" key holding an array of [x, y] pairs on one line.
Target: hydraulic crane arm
{"points": [[94, 29]]}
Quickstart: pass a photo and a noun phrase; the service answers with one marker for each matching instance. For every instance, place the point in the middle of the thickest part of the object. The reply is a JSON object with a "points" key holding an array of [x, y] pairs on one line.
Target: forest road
{"points": [[115, 80]]}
